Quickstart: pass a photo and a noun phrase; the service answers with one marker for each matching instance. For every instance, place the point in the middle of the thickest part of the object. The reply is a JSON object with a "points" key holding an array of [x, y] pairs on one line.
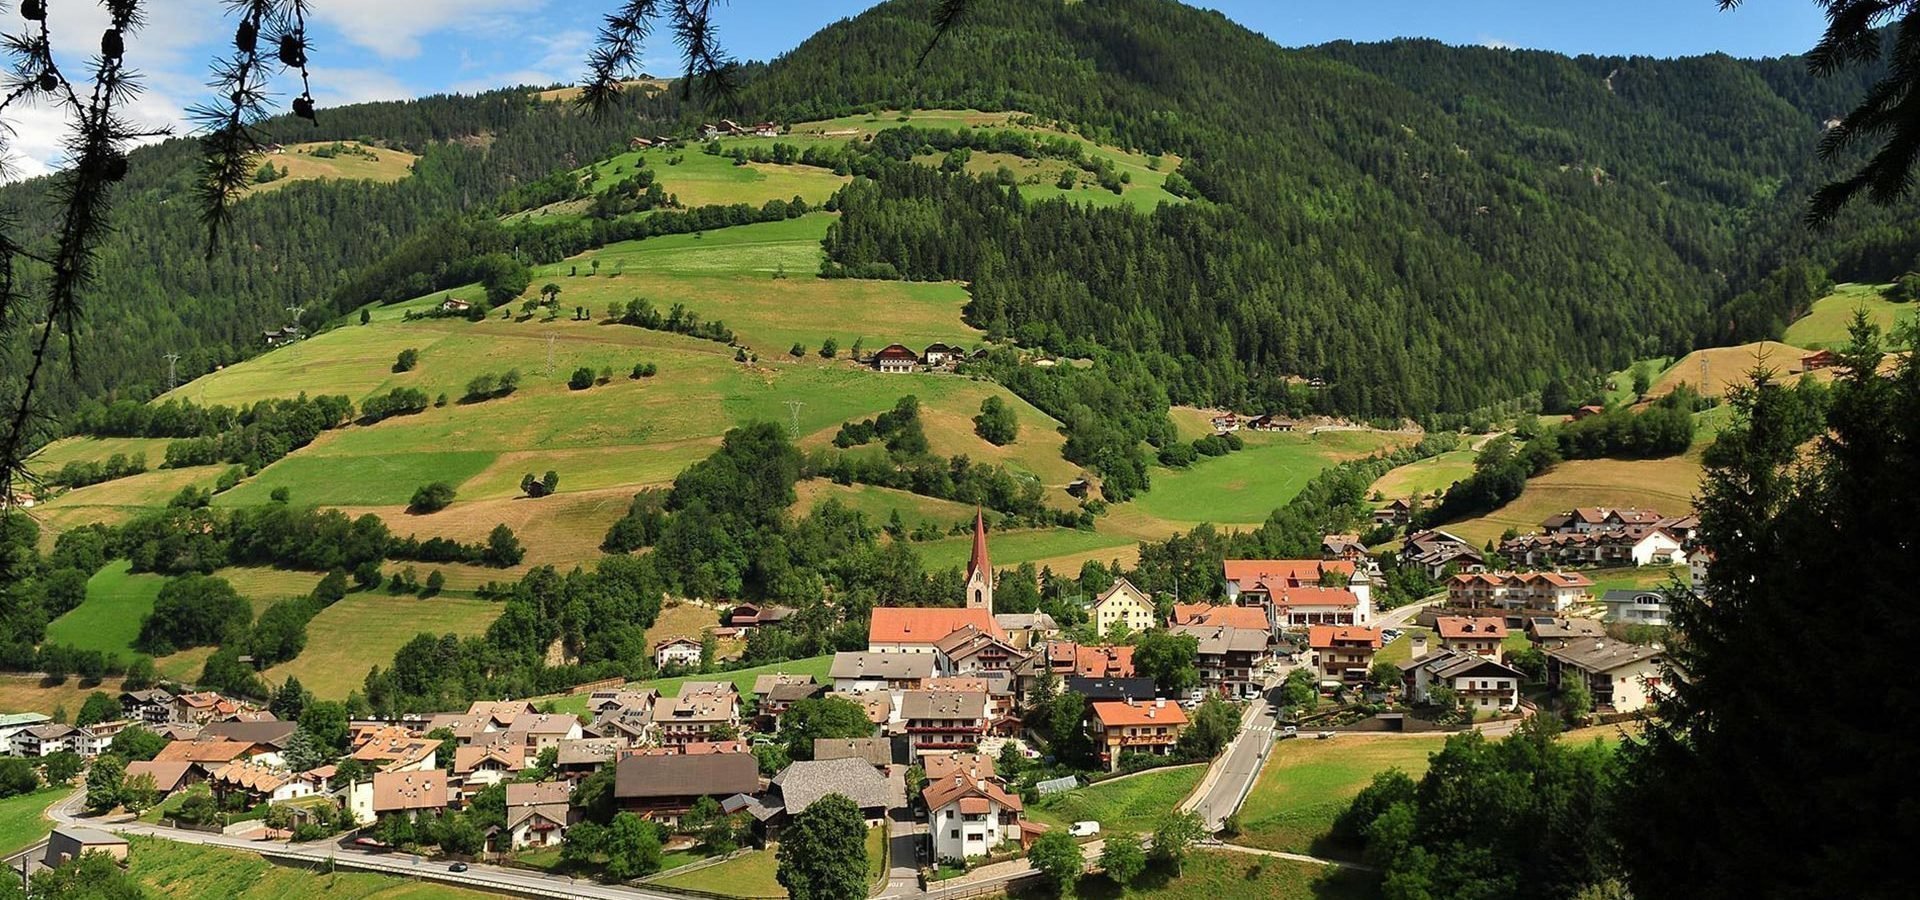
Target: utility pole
{"points": [[173, 363], [793, 426]]}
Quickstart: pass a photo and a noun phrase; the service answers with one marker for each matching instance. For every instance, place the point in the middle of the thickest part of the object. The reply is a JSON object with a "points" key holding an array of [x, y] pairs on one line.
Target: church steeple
{"points": [[979, 567]]}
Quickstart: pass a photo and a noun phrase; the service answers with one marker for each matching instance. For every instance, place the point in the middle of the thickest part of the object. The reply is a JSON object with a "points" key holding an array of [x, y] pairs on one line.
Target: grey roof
{"points": [[1026, 622], [1454, 665], [272, 733], [881, 666], [876, 751], [802, 783], [943, 704], [788, 693], [1604, 655], [1218, 639], [1112, 688], [714, 774]]}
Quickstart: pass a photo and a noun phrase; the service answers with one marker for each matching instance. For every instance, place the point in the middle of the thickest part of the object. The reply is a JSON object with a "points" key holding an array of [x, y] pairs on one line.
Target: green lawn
{"points": [[1220, 874], [109, 619], [670, 687], [171, 869], [1305, 784], [357, 480], [365, 630], [1435, 473], [1639, 578], [1243, 488], [1134, 804], [750, 874], [700, 179], [23, 819], [1826, 324]]}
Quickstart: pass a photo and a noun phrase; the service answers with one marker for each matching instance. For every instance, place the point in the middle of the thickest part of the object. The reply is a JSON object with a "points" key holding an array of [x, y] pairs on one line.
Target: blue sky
{"points": [[393, 49]]}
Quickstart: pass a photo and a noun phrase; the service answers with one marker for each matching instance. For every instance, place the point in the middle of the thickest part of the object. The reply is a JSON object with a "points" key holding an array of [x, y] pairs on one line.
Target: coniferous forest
{"points": [[1424, 249]]}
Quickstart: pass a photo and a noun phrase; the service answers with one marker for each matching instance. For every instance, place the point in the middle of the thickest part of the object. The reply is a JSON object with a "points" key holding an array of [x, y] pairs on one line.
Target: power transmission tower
{"points": [[550, 356], [295, 312], [173, 364], [793, 426]]}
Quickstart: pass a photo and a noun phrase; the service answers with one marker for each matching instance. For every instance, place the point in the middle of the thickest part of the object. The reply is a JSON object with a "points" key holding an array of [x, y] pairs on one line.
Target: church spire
{"points": [[980, 568]]}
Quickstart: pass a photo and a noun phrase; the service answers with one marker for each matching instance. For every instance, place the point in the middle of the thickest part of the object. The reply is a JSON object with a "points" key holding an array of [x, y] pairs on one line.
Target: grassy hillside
{"points": [[1728, 365], [350, 160], [1435, 473], [364, 630], [1826, 324], [23, 818], [1135, 804], [109, 619], [1667, 485], [1244, 487]]}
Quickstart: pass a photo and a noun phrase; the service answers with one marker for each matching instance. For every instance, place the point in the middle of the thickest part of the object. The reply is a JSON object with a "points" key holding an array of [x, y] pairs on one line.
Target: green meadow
{"points": [[109, 619], [1435, 473], [1825, 325], [1246, 486], [1136, 803], [1014, 547]]}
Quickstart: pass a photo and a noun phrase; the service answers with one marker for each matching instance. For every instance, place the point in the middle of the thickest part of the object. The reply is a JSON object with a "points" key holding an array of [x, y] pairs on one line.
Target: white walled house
{"points": [[1637, 607], [970, 816], [1621, 677], [684, 652], [1482, 684]]}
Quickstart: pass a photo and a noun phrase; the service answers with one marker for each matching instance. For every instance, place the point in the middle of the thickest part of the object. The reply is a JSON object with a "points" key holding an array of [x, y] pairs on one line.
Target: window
{"points": [[954, 833]]}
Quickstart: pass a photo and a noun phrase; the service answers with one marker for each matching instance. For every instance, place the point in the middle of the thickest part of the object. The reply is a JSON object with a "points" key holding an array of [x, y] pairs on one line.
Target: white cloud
{"points": [[552, 59], [161, 54], [1494, 43], [394, 29], [337, 87]]}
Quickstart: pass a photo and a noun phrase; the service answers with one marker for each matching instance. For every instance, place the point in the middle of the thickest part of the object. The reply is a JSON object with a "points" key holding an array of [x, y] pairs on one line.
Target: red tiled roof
{"points": [[925, 625], [1279, 573], [1321, 637], [1116, 713], [1249, 617], [1315, 596], [1455, 627]]}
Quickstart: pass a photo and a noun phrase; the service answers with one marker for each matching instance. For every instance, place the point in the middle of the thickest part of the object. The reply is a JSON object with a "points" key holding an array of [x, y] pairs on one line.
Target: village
{"points": [[942, 731]]}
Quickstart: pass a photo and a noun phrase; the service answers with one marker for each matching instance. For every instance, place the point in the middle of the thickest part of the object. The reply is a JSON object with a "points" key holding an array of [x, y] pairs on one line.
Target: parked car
{"points": [[1388, 634], [1325, 734], [1083, 829], [1289, 731], [457, 867]]}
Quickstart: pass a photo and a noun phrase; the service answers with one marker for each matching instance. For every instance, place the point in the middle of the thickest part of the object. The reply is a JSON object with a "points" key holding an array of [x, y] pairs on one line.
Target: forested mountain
{"points": [[1430, 229]]}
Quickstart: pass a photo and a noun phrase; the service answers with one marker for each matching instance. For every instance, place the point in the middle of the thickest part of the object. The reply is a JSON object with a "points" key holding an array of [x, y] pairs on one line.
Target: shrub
{"points": [[407, 360], [582, 379], [431, 498]]}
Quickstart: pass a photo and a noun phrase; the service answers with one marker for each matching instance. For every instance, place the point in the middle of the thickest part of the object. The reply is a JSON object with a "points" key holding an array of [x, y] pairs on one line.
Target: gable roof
{"points": [[1111, 688], [214, 751], [1273, 574], [1314, 595], [974, 765], [881, 666], [765, 683], [1124, 590], [1604, 655], [1219, 639], [167, 775], [874, 751], [958, 785], [713, 774], [1321, 637], [1458, 627], [1115, 713], [397, 791], [1250, 617], [270, 733], [943, 704], [925, 625], [802, 783]]}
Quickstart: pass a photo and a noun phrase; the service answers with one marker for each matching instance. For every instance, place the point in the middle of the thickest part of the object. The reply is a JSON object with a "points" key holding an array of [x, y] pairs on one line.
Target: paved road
{"points": [[1243, 759], [478, 876], [1402, 616]]}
